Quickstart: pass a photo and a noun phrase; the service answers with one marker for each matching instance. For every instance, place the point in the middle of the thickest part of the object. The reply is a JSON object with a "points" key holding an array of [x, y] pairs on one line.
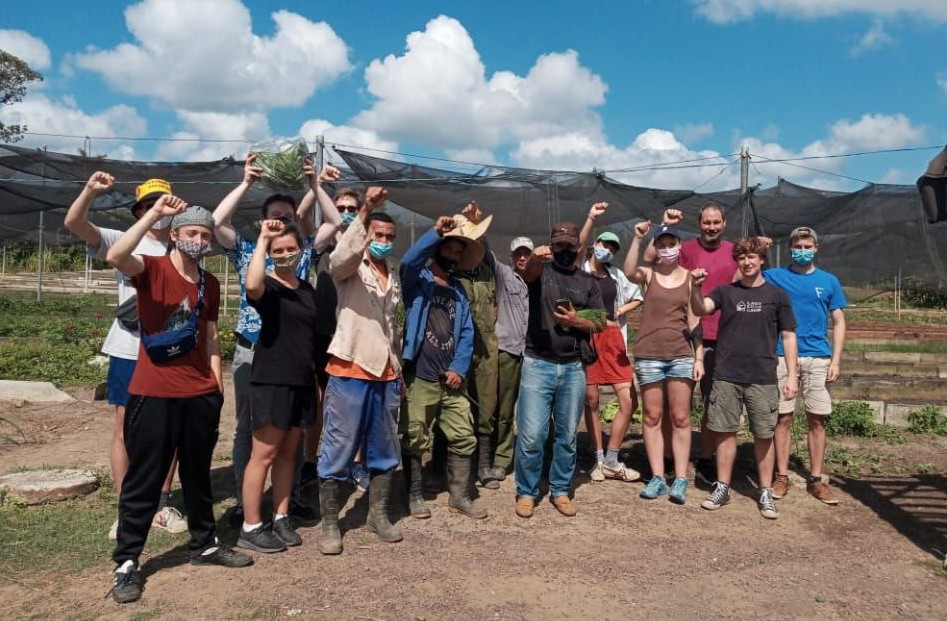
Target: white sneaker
{"points": [[170, 519], [113, 532], [597, 475]]}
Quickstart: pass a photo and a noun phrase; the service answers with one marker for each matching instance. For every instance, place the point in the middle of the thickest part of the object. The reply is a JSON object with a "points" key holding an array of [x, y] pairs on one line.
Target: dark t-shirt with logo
{"points": [[545, 338], [437, 349], [751, 319]]}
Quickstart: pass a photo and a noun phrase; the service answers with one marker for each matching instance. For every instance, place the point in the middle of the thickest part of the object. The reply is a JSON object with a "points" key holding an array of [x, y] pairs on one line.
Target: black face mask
{"points": [[565, 258], [444, 263]]}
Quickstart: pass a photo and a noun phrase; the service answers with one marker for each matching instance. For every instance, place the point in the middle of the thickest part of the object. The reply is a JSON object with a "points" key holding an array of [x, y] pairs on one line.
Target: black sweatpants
{"points": [[156, 427]]}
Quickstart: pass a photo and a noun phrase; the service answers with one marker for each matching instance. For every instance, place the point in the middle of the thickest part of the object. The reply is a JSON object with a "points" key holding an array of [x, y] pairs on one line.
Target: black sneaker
{"points": [[127, 586], [302, 513], [706, 471], [283, 529], [309, 474], [222, 554], [260, 539], [235, 516], [719, 497]]}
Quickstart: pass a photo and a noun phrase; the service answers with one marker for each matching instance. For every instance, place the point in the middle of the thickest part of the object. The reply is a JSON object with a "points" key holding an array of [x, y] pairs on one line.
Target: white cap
{"points": [[521, 242]]}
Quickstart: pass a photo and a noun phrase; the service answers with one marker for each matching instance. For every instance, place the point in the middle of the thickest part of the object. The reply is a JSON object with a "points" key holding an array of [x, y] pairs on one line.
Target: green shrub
{"points": [[928, 419], [851, 418]]}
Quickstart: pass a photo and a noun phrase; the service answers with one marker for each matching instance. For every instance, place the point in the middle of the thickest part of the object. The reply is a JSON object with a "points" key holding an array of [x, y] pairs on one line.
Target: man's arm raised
{"points": [[120, 254], [224, 231], [77, 218]]}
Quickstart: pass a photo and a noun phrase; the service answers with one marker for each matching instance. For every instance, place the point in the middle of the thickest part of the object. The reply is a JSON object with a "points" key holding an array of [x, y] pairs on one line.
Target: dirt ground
{"points": [[872, 557]]}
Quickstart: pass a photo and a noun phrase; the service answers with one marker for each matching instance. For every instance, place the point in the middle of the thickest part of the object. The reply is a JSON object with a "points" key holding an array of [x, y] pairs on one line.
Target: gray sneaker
{"points": [[719, 496], [126, 586], [767, 505], [283, 529], [260, 539]]}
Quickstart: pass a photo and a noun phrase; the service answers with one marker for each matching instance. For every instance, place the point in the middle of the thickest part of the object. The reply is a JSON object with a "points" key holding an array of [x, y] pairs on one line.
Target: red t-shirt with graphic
{"points": [[720, 266], [162, 293]]}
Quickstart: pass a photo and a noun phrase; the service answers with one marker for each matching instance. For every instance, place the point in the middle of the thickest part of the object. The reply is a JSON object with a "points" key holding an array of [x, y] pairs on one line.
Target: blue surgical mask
{"points": [[602, 254], [378, 250], [802, 256], [348, 218]]}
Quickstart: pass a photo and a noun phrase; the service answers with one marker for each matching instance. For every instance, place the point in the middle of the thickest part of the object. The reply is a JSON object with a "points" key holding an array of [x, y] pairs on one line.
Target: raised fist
{"points": [[472, 212], [375, 197], [598, 209], [250, 172], [698, 276], [100, 182], [444, 224], [642, 228], [169, 205], [672, 217]]}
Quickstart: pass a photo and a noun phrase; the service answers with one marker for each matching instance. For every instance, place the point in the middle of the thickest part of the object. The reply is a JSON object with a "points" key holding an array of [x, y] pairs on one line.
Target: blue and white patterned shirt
{"points": [[248, 323]]}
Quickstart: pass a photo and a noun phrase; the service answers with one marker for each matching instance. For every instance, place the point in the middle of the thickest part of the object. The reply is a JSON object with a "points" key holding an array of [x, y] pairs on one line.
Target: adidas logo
{"points": [[174, 350]]}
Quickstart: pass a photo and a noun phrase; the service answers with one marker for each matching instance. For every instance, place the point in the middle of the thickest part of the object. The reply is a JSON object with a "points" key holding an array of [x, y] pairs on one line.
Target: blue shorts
{"points": [[651, 371], [118, 378]]}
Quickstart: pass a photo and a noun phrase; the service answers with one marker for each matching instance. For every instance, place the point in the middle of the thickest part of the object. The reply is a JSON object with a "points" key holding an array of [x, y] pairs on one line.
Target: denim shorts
{"points": [[117, 380], [651, 371]]}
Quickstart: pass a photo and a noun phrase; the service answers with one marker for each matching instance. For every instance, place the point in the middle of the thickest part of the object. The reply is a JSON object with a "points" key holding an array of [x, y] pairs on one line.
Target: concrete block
{"points": [[36, 392], [893, 357], [38, 486]]}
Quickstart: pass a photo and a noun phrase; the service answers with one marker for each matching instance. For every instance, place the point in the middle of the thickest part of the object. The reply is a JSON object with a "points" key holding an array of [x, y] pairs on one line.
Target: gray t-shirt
{"points": [[512, 309]]}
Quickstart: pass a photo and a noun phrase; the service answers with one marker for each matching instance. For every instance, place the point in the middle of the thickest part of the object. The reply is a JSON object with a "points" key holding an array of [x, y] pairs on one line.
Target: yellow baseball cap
{"points": [[152, 188]]}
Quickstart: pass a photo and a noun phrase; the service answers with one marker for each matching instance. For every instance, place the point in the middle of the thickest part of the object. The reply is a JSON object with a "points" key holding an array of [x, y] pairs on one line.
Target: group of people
{"points": [[494, 366]]}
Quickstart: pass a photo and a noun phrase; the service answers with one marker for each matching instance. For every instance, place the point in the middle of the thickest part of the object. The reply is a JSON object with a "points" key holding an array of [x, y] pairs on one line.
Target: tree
{"points": [[15, 74]]}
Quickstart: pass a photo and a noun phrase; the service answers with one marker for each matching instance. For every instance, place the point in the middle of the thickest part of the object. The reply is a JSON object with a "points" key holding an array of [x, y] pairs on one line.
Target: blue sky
{"points": [[536, 84]]}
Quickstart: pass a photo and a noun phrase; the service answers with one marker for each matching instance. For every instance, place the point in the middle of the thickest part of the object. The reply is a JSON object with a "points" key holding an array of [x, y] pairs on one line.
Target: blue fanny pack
{"points": [[169, 345]]}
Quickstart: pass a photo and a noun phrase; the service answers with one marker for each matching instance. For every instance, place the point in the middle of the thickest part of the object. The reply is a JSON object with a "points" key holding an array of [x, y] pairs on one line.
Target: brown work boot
{"points": [[780, 486], [524, 507], [564, 505], [822, 492]]}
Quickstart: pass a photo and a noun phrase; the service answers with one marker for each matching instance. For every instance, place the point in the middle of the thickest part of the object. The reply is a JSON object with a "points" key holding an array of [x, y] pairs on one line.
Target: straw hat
{"points": [[469, 233]]}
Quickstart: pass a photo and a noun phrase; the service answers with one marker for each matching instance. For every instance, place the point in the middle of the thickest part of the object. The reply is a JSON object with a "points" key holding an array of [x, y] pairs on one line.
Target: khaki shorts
{"points": [[727, 401], [812, 374]]}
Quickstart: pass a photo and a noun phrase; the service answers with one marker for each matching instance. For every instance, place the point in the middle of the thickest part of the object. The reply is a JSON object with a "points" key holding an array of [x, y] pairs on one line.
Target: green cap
{"points": [[608, 236]]}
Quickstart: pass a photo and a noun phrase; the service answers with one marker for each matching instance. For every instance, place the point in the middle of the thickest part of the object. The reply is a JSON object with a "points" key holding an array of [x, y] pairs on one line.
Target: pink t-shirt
{"points": [[720, 267]]}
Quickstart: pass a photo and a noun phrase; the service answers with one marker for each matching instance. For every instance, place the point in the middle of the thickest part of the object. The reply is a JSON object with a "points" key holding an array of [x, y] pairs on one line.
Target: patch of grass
{"points": [[892, 318], [851, 418], [929, 420], [925, 467]]}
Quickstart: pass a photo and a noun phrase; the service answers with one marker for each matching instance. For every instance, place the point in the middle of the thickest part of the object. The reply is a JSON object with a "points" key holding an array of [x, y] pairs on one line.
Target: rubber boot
{"points": [[458, 479], [379, 494], [330, 539], [485, 459], [435, 480], [413, 488]]}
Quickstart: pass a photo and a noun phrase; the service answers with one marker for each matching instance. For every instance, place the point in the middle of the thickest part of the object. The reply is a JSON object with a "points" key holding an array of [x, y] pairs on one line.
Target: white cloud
{"points": [[875, 38], [728, 11], [472, 156], [245, 127], [942, 80], [898, 176], [203, 55], [345, 136], [692, 132], [438, 93], [48, 116], [27, 48]]}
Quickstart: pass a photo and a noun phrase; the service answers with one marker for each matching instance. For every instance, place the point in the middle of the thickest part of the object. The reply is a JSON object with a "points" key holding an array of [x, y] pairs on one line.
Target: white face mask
{"points": [[669, 255], [162, 224], [602, 254]]}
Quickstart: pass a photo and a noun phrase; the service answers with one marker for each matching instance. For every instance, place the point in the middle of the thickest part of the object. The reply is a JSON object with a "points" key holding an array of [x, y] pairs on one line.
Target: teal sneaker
{"points": [[655, 487], [678, 493]]}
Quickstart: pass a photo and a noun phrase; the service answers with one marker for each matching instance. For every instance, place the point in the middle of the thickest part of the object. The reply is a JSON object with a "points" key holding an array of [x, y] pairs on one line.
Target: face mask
{"points": [[287, 261], [348, 218], [162, 224], [444, 263], [194, 250], [802, 257], [565, 258], [669, 255], [602, 254], [378, 250]]}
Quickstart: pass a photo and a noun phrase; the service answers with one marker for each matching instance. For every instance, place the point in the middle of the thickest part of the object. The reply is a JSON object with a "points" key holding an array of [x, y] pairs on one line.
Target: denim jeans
{"points": [[548, 390]]}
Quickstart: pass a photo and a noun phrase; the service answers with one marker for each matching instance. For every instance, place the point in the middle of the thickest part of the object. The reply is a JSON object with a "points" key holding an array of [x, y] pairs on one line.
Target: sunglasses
{"points": [[347, 208]]}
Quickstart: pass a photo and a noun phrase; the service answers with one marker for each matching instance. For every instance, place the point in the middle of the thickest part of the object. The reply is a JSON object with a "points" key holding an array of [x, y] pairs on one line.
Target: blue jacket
{"points": [[417, 286]]}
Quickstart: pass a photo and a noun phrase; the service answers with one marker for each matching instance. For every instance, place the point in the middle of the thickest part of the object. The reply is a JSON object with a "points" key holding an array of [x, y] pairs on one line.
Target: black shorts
{"points": [[281, 406], [322, 356]]}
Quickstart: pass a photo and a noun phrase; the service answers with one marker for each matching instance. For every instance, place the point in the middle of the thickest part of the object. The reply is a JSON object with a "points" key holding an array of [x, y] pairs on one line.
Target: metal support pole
{"points": [[88, 273], [3, 270], [318, 165], [226, 285], [41, 262], [744, 187], [412, 228]]}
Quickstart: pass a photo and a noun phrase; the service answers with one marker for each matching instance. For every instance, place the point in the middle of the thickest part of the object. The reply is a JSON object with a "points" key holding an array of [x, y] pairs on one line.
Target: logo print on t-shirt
{"points": [[819, 291], [749, 307]]}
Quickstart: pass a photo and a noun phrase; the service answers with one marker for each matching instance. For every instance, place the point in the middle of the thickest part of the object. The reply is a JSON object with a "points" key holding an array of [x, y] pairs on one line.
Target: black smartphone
{"points": [[565, 303]]}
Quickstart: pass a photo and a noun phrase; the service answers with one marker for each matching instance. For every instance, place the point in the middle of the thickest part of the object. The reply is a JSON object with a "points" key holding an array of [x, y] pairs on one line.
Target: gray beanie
{"points": [[195, 215]]}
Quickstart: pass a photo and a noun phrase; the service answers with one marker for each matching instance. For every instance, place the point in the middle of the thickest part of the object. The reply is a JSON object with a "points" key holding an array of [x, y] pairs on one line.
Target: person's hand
{"points": [[565, 316], [790, 388], [766, 241], [375, 197], [698, 276], [100, 182], [543, 253], [834, 371], [642, 228], [472, 212], [444, 224], [168, 205], [329, 174], [251, 173], [698, 370], [453, 380], [672, 217], [596, 210], [271, 229]]}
